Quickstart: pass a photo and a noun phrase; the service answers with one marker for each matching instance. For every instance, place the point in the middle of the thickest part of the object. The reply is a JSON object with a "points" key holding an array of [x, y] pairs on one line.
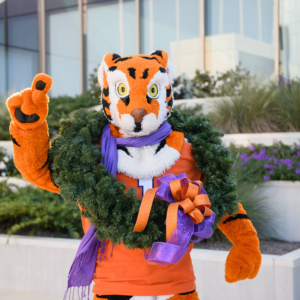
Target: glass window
{"points": [[100, 40], [20, 7], [290, 38], [174, 34], [231, 16], [22, 67], [212, 17], [56, 4], [62, 43], [2, 71], [129, 27], [240, 31], [2, 38], [1, 10], [250, 19], [189, 26], [22, 32], [267, 9]]}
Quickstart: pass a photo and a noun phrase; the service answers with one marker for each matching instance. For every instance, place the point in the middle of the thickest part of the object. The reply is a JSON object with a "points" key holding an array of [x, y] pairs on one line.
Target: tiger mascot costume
{"points": [[137, 99]]}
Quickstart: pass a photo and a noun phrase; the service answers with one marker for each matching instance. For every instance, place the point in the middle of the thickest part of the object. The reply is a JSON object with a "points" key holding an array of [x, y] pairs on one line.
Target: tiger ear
{"points": [[108, 60], [163, 58]]}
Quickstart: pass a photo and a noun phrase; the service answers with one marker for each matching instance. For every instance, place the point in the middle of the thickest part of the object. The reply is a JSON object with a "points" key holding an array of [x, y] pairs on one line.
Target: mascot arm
{"points": [[29, 132], [244, 258]]}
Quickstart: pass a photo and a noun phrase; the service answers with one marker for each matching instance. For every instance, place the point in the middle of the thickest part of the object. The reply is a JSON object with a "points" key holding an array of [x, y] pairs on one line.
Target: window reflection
{"points": [[62, 44], [56, 4], [290, 38], [240, 31], [20, 7]]}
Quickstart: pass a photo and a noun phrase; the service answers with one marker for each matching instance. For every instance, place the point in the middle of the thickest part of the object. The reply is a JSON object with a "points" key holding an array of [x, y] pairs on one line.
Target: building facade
{"points": [[68, 38]]}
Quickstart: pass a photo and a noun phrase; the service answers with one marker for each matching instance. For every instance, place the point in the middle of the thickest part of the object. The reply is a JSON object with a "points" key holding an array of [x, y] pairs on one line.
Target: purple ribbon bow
{"points": [[186, 231]]}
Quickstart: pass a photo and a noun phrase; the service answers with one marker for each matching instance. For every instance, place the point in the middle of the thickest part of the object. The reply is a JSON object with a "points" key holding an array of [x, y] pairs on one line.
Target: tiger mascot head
{"points": [[136, 91]]}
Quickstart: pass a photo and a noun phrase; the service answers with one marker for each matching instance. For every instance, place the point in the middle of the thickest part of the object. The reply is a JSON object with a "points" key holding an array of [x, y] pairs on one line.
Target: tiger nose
{"points": [[138, 114]]}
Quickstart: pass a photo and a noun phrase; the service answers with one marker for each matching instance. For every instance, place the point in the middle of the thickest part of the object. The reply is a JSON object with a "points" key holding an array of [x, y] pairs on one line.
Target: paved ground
{"points": [[12, 295]]}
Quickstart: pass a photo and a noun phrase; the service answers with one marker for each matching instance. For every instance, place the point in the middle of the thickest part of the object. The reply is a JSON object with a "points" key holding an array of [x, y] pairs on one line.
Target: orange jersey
{"points": [[126, 272]]}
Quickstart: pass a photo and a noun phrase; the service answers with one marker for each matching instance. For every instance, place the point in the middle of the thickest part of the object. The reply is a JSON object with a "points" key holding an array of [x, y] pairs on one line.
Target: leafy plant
{"points": [[94, 87], [4, 122], [259, 163], [61, 107], [7, 166], [253, 111], [189, 111], [182, 88], [34, 210], [288, 100], [221, 84]]}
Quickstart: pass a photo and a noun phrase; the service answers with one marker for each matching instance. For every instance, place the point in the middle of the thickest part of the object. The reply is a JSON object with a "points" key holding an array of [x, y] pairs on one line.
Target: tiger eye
{"points": [[153, 90], [122, 90]]}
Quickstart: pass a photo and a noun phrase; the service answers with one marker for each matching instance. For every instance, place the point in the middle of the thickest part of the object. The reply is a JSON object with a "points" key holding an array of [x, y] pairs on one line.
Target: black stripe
{"points": [[170, 103], [149, 99], [123, 148], [169, 92], [187, 293], [163, 70], [44, 164], [113, 68], [132, 72], [114, 297], [107, 105], [14, 141], [238, 216], [158, 53], [138, 127], [145, 74], [106, 92], [150, 58], [115, 56], [161, 145], [122, 59], [126, 100]]}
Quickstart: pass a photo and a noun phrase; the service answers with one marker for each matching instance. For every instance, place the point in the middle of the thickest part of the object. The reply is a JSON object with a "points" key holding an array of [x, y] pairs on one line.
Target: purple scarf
{"points": [[83, 267]]}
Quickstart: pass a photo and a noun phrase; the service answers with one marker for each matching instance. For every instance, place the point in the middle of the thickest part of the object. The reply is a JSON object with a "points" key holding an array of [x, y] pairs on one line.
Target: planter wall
{"points": [[40, 265], [283, 200], [8, 145]]}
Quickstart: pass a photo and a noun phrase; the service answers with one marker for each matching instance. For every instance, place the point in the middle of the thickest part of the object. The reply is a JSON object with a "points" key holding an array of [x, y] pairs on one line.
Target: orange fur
{"points": [[32, 139], [175, 140], [244, 259]]}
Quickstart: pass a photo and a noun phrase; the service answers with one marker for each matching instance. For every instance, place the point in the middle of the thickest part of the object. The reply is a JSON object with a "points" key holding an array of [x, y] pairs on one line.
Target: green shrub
{"points": [[288, 100], [221, 84], [253, 111], [7, 166], [61, 107], [94, 87], [258, 163], [4, 123], [34, 210]]}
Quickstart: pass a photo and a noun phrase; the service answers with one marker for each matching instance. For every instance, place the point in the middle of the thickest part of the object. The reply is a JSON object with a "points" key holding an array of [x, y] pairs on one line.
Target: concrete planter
{"points": [[8, 146], [40, 265], [282, 198]]}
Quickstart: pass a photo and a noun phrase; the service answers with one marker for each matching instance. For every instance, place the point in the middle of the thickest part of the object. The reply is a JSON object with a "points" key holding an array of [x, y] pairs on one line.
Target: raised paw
{"points": [[29, 108], [242, 262]]}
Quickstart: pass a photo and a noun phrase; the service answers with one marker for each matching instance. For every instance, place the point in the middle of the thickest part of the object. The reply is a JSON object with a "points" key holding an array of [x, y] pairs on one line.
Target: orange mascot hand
{"points": [[244, 258], [29, 108]]}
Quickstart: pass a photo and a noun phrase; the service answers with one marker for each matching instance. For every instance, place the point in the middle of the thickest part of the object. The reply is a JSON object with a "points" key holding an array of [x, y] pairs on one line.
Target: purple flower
{"points": [[266, 166], [299, 164], [271, 172], [297, 171], [287, 151], [290, 166], [266, 178], [276, 161], [234, 165], [280, 164], [243, 155], [244, 168], [298, 152], [294, 155], [252, 147], [275, 150], [298, 146], [262, 151]]}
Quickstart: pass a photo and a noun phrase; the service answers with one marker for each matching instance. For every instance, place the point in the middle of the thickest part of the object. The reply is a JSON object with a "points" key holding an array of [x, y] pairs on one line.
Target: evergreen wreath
{"points": [[77, 170]]}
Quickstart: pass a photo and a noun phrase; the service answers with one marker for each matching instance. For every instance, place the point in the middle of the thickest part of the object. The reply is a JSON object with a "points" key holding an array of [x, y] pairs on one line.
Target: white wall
{"points": [[41, 265]]}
